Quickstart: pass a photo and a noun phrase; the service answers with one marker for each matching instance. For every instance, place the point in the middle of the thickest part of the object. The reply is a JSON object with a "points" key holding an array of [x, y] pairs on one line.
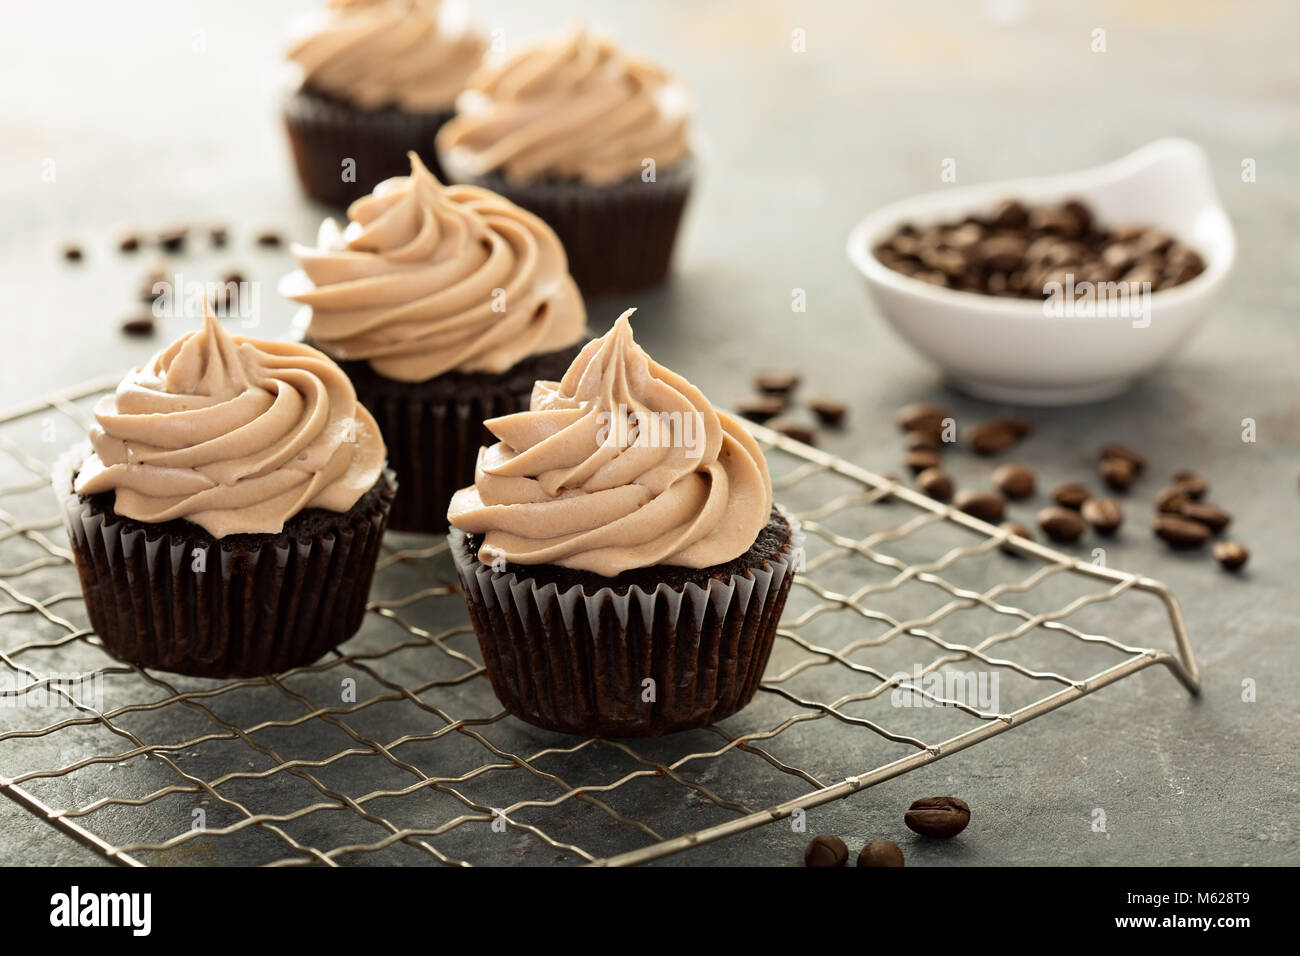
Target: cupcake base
{"points": [[433, 429], [324, 132], [650, 652], [619, 238], [171, 596]]}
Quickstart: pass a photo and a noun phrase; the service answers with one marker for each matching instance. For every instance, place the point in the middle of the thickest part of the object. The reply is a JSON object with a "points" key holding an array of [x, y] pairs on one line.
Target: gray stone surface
{"points": [[795, 148]]}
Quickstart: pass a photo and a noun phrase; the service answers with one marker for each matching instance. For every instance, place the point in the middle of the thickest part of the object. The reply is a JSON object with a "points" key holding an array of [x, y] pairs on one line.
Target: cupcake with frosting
{"points": [[226, 515], [593, 141], [623, 562], [374, 80], [443, 304]]}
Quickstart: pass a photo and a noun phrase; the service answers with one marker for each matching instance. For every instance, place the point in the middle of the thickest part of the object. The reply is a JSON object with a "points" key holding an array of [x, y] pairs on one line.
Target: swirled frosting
{"points": [[427, 278], [377, 53], [233, 434], [622, 464], [577, 109]]}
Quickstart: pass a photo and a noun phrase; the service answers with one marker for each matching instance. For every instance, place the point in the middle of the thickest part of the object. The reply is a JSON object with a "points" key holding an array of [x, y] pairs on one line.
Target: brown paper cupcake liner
{"points": [[324, 131], [576, 662], [256, 604], [433, 429], [619, 238]]}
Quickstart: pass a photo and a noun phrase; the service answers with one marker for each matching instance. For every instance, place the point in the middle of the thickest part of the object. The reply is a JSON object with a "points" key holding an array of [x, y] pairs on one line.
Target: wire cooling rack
{"points": [[893, 653]]}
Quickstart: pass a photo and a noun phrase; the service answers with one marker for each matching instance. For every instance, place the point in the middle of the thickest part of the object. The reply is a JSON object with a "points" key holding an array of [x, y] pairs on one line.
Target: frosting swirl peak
{"points": [[622, 464], [377, 53], [233, 434], [574, 109], [427, 278]]}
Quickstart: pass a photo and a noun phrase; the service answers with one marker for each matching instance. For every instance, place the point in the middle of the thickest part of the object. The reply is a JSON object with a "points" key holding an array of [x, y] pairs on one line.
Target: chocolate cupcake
{"points": [[622, 559], [592, 141], [377, 79], [443, 304], [226, 517]]}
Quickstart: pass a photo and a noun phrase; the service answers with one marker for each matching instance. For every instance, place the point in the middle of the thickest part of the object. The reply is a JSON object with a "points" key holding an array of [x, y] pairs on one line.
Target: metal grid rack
{"points": [[394, 750]]}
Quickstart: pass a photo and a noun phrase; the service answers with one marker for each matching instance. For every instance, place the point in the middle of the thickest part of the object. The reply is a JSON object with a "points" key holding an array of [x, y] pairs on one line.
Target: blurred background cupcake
{"points": [[226, 516], [593, 141], [375, 79], [624, 565], [443, 304]]}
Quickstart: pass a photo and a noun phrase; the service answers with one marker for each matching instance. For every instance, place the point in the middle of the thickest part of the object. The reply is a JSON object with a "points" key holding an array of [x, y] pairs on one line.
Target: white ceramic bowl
{"points": [[1010, 350]]}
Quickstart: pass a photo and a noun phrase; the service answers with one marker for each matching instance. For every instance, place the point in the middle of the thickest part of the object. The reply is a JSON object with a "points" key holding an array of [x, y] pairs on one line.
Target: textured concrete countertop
{"points": [[796, 147]]}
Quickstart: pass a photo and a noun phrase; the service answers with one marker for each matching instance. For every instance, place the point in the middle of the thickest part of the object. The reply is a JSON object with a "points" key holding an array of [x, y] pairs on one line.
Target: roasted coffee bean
{"points": [[1104, 514], [1014, 481], [919, 460], [1134, 458], [776, 381], [941, 817], [128, 242], [72, 252], [922, 417], [826, 850], [992, 437], [1001, 253], [829, 411], [149, 284], [1009, 214], [138, 325], [1179, 532], [922, 441], [1118, 473], [1213, 518], [234, 276], [1171, 500], [985, 505], [1191, 484], [1231, 555], [1071, 494], [1020, 427], [218, 236], [1081, 213], [269, 238], [880, 853], [172, 239], [1061, 524], [936, 483], [1056, 220], [792, 428], [760, 408], [1015, 528]]}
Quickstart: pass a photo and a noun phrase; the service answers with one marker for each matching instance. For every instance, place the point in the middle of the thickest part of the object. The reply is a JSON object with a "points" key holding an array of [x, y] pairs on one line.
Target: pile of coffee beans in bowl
{"points": [[1018, 250]]}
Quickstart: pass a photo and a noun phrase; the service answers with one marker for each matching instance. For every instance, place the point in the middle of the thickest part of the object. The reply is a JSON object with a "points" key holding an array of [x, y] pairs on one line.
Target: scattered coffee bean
{"points": [[1213, 518], [880, 853], [792, 428], [1231, 555], [829, 411], [936, 483], [826, 850], [72, 252], [922, 417], [776, 381], [1104, 514], [1071, 494], [1014, 481], [1191, 484], [941, 817], [1179, 532], [1061, 524], [1118, 473], [1017, 529], [992, 437], [985, 505], [1134, 458], [1171, 500], [173, 238], [922, 441], [153, 278], [138, 325], [128, 242], [269, 238], [760, 408], [1020, 427], [918, 461], [218, 236]]}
